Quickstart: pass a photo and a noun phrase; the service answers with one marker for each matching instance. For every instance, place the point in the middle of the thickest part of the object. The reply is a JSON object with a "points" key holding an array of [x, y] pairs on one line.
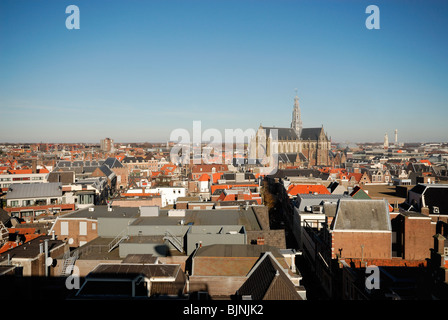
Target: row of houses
{"points": [[341, 235], [101, 239]]}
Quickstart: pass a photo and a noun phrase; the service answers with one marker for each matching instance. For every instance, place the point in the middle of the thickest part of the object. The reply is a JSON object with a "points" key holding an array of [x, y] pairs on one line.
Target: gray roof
{"points": [[291, 157], [236, 250], [268, 281], [369, 215], [311, 133], [107, 171], [102, 212], [113, 163], [34, 190], [205, 217], [197, 217], [78, 163], [282, 133], [306, 200]]}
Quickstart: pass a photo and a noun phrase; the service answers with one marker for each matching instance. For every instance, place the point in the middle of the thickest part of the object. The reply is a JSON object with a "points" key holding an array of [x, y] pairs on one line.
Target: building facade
{"points": [[312, 144]]}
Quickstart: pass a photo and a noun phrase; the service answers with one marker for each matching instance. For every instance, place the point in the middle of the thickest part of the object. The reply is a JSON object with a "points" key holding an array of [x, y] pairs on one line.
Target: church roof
{"points": [[282, 133], [311, 133], [290, 134]]}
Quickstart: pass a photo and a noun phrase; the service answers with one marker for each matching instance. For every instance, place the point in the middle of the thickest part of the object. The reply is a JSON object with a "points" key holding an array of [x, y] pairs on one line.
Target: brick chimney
{"points": [[439, 243], [425, 211]]}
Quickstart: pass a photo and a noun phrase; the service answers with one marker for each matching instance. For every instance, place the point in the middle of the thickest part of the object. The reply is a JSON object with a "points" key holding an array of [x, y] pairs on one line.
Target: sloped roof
{"points": [[366, 215], [107, 171], [282, 133], [310, 133], [166, 279], [113, 163], [359, 193], [204, 177], [268, 281], [290, 157], [283, 173]]}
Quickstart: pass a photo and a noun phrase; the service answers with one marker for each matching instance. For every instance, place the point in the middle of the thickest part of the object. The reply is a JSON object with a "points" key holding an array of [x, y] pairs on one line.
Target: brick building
{"points": [[362, 229]]}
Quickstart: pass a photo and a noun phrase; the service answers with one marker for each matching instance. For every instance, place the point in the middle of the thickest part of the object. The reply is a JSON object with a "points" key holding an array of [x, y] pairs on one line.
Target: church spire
{"points": [[296, 123]]}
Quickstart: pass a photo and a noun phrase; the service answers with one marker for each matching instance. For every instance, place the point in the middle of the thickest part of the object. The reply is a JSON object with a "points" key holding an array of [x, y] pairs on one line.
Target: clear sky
{"points": [[136, 70]]}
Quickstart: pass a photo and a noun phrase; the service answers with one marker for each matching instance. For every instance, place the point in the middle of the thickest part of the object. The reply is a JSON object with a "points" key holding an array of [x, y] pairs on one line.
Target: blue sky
{"points": [[136, 70]]}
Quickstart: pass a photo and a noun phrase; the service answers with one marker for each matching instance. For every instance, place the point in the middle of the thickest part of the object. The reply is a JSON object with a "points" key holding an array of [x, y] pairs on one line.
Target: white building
{"points": [[168, 195], [6, 180]]}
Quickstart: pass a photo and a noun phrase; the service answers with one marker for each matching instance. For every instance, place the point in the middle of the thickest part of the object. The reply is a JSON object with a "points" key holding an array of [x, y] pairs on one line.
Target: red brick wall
{"points": [[394, 262], [74, 230], [123, 173], [377, 245], [418, 238]]}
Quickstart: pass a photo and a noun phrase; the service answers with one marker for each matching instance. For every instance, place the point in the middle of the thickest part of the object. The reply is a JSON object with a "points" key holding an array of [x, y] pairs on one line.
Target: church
{"points": [[295, 146]]}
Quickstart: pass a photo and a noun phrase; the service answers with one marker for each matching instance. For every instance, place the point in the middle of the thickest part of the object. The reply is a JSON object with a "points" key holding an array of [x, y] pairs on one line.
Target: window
{"points": [[82, 228], [64, 228], [93, 226]]}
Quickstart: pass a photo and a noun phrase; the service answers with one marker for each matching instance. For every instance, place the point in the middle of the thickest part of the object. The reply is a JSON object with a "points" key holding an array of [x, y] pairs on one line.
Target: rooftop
{"points": [[236, 250], [368, 215], [102, 211], [34, 190]]}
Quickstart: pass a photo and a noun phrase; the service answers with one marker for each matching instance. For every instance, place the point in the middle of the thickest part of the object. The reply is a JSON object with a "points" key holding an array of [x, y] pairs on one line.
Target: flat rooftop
{"points": [[103, 212], [383, 192], [205, 217]]}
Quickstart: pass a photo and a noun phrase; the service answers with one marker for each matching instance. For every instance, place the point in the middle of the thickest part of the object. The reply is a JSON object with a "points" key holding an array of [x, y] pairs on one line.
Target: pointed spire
{"points": [[296, 123]]}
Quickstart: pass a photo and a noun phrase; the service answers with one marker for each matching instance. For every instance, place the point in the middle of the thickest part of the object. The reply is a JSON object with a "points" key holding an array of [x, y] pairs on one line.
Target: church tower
{"points": [[386, 141], [296, 123]]}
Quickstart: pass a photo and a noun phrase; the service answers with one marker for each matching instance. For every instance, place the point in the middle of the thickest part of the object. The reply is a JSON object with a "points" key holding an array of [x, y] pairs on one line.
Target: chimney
{"points": [[46, 256], [439, 243], [425, 211]]}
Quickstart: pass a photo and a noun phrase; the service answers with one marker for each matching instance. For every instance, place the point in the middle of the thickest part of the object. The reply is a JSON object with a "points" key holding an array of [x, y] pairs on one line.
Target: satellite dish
{"points": [[70, 241], [49, 261]]}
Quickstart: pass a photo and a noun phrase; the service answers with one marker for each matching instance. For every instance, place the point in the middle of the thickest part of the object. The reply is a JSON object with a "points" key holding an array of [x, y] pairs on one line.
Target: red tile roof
{"points": [[204, 177], [357, 176], [19, 171], [295, 189]]}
